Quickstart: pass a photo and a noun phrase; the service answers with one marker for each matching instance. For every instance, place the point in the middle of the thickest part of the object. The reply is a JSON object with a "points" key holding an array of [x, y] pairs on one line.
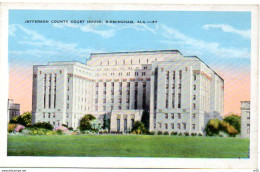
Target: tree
{"points": [[234, 120], [95, 125], [227, 128], [85, 122], [24, 119], [146, 118], [212, 127], [106, 122], [139, 128]]}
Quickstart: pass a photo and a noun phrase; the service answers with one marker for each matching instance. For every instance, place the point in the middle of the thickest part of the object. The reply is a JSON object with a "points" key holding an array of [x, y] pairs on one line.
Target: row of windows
{"points": [[178, 115], [48, 115], [125, 62], [178, 126], [123, 74]]}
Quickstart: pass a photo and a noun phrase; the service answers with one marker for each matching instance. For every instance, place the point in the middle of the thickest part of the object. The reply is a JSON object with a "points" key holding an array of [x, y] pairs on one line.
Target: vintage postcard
{"points": [[140, 86]]}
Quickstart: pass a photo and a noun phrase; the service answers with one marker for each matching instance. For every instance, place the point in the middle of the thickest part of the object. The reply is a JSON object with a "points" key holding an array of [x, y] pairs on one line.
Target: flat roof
{"points": [[136, 52]]}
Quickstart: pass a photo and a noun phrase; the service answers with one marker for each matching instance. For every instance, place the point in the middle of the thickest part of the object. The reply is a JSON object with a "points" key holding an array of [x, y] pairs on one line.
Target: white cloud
{"points": [[228, 28], [111, 28], [172, 36], [44, 47]]}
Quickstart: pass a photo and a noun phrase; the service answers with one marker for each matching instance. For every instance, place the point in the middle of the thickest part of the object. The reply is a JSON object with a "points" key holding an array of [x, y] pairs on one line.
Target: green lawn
{"points": [[128, 146]]}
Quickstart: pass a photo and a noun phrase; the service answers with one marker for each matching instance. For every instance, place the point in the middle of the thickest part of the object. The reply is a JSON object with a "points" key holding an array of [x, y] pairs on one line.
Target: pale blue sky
{"points": [[218, 38]]}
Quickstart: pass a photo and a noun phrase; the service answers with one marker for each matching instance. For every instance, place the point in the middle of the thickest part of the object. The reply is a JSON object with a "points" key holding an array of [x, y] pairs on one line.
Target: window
{"points": [[194, 106], [194, 97], [166, 116], [53, 123], [194, 77], [136, 73], [143, 73], [179, 100], [172, 125], [194, 87], [180, 74], [179, 86], [132, 123], [166, 126], [68, 97], [179, 115], [119, 107], [194, 116], [54, 115], [104, 108], [248, 128], [125, 125], [160, 125], [43, 115], [172, 115], [118, 124], [49, 115], [179, 126], [128, 84], [193, 126], [184, 126], [248, 115], [67, 106]]}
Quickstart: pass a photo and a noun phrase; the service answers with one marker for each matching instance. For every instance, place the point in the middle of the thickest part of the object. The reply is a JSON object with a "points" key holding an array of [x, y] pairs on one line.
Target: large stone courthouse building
{"points": [[181, 92]]}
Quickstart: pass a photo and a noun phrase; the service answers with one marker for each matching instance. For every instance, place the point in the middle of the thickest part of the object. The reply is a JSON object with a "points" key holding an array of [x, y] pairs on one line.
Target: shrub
{"points": [[61, 129], [200, 134], [11, 127], [212, 127], [159, 133], [234, 120], [44, 125], [70, 128], [166, 133], [151, 133], [42, 131], [180, 134], [193, 134], [65, 125], [85, 122], [186, 134], [138, 128], [229, 129], [19, 128]]}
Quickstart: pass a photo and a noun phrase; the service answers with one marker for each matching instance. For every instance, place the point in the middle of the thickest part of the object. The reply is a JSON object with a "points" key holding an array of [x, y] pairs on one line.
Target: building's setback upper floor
{"points": [[111, 64], [132, 58]]}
